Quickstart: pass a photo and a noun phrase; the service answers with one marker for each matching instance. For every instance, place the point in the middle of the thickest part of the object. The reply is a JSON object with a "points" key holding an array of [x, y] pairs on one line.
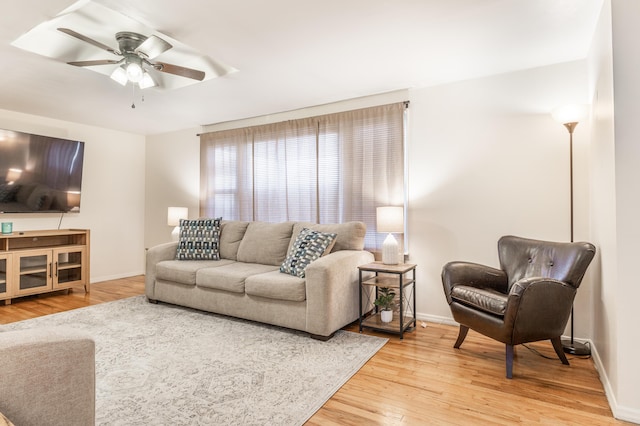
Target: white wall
{"points": [[173, 180], [486, 160], [617, 310], [603, 205], [112, 204]]}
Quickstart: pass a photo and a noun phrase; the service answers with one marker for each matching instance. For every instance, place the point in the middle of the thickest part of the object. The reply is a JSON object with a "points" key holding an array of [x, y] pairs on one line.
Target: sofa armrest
{"points": [[47, 377], [332, 290], [155, 254]]}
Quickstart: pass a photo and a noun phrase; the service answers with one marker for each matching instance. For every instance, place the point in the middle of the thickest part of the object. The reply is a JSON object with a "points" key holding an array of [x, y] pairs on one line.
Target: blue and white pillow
{"points": [[199, 239], [309, 245]]}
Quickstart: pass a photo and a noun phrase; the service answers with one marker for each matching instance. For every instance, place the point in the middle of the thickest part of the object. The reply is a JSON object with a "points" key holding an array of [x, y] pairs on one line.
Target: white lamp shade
{"points": [[174, 214], [573, 113], [119, 75], [134, 72], [390, 219], [146, 81], [13, 175]]}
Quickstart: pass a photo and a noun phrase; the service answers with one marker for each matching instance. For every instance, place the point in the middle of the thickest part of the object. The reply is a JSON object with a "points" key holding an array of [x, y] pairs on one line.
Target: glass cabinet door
{"points": [[5, 263], [33, 271], [69, 266]]}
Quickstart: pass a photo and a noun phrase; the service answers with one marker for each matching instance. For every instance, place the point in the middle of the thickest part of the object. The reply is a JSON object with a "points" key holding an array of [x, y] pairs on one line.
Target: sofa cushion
{"points": [[265, 243], [350, 235], [230, 277], [309, 245], [231, 233], [199, 239], [184, 272], [274, 285]]}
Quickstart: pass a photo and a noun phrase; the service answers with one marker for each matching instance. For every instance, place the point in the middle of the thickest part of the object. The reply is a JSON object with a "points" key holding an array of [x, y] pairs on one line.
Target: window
{"points": [[328, 169]]}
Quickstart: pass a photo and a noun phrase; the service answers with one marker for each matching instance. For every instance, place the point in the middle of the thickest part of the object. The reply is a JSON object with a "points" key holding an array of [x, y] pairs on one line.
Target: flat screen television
{"points": [[39, 174]]}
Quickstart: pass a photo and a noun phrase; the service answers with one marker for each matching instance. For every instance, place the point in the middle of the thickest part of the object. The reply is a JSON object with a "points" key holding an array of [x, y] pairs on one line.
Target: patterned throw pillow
{"points": [[199, 239], [308, 246], [8, 192]]}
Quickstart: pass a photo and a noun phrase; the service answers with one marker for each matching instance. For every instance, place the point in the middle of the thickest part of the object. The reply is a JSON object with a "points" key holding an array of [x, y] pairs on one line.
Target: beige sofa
{"points": [[47, 377], [246, 282]]}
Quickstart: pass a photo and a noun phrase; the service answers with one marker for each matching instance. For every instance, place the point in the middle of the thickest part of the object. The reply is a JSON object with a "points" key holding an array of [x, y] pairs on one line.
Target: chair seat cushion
{"points": [[488, 300]]}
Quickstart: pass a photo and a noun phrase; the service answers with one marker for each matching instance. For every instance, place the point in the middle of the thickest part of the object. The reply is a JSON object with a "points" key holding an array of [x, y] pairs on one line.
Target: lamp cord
{"points": [[535, 351]]}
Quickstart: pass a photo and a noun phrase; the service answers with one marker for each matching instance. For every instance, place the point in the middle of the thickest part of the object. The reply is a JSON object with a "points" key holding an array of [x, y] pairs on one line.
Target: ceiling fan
{"points": [[137, 52]]}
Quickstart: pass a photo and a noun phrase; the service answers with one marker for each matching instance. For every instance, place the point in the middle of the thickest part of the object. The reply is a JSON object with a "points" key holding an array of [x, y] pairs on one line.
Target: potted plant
{"points": [[385, 301]]}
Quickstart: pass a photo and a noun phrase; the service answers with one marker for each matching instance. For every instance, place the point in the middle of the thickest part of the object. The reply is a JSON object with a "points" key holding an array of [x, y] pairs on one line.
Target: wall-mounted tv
{"points": [[39, 174]]}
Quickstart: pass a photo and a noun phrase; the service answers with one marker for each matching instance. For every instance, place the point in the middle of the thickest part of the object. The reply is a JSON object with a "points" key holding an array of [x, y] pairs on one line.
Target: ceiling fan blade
{"points": [[92, 63], [88, 40], [178, 70], [153, 46]]}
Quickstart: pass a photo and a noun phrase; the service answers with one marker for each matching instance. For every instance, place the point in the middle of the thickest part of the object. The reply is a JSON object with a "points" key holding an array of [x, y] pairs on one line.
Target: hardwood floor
{"points": [[421, 379], [49, 303]]}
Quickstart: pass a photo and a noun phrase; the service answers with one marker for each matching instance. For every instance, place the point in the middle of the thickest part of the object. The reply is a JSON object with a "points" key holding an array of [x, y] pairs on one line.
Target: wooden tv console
{"points": [[34, 262]]}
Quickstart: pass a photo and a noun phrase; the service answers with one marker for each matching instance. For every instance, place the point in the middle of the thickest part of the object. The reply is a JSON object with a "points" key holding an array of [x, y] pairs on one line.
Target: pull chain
{"points": [[133, 96]]}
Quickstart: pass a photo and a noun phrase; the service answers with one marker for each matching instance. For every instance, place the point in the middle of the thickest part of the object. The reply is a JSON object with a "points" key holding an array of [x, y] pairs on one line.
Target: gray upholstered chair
{"points": [[528, 299], [47, 377]]}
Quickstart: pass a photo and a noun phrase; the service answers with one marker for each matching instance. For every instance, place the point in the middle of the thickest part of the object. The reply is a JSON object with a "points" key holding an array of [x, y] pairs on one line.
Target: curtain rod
{"points": [[406, 105]]}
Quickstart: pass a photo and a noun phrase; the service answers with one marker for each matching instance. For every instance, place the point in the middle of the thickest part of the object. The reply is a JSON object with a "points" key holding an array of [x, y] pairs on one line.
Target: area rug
{"points": [[167, 365]]}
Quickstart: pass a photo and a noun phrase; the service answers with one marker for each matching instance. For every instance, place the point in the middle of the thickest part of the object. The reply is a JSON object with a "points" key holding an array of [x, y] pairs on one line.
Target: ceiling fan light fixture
{"points": [[135, 51], [134, 72], [120, 75], [146, 81]]}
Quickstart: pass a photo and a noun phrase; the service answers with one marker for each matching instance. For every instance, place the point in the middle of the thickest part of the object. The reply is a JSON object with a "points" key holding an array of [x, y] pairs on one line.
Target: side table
{"points": [[394, 277]]}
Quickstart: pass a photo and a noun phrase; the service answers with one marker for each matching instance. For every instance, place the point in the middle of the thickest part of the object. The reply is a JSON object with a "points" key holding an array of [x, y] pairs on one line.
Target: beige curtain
{"points": [[226, 174], [369, 171], [328, 169], [285, 170]]}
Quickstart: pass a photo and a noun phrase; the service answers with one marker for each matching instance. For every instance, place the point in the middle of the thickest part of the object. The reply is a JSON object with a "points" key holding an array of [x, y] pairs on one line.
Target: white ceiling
{"points": [[290, 54]]}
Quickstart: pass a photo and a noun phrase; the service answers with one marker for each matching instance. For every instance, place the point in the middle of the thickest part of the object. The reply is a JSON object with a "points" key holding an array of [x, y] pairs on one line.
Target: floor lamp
{"points": [[570, 116]]}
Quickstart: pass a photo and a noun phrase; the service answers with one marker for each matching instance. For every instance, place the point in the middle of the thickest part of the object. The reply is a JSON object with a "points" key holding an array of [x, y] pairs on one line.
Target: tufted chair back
{"points": [[525, 258]]}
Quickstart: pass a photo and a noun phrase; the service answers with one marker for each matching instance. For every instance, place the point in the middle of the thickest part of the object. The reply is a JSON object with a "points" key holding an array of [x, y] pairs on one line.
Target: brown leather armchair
{"points": [[528, 299]]}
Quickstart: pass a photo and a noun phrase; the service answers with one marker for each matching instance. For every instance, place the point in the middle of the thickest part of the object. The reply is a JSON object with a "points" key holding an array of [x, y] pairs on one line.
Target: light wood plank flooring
{"points": [[421, 379]]}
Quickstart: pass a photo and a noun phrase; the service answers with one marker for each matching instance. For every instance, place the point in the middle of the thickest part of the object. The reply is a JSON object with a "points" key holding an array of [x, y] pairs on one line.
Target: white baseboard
{"points": [[116, 276], [436, 319], [619, 412]]}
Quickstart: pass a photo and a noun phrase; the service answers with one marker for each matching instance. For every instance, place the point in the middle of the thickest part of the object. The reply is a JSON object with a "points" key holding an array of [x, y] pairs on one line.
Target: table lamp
{"points": [[390, 219]]}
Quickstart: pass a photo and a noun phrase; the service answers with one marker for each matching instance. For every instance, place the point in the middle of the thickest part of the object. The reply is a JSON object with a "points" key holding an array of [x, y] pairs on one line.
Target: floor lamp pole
{"points": [[570, 346]]}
